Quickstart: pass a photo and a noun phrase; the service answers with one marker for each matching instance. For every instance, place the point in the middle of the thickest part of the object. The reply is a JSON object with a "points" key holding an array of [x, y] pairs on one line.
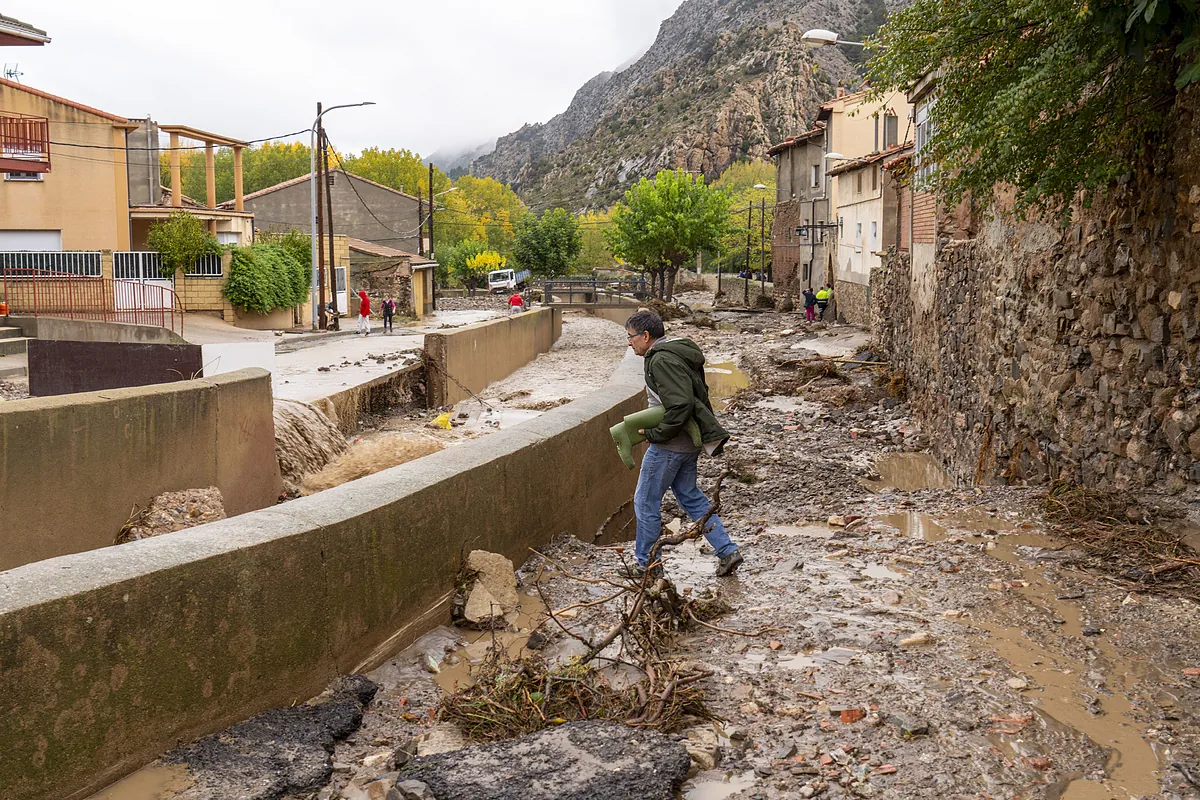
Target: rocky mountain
{"points": [[455, 161], [723, 81]]}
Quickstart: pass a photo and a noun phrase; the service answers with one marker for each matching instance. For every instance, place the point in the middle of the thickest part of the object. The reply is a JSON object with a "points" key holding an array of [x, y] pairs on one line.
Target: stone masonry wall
{"points": [[853, 302], [1034, 351]]}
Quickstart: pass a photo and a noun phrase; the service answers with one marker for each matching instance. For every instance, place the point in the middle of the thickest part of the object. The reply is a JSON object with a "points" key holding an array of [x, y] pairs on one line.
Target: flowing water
{"points": [[368, 456], [305, 439], [155, 782]]}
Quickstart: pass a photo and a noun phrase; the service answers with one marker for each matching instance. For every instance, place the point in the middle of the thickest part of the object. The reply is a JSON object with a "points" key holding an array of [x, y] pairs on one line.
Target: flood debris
{"points": [[590, 760], [173, 511], [487, 591]]}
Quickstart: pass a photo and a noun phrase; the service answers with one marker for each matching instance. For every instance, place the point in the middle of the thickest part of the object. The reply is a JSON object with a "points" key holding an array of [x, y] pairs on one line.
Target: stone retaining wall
{"points": [[1034, 351], [112, 657]]}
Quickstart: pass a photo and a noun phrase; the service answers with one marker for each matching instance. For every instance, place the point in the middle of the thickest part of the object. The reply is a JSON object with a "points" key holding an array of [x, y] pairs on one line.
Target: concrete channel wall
{"points": [[110, 658], [477, 355], [72, 467], [88, 330]]}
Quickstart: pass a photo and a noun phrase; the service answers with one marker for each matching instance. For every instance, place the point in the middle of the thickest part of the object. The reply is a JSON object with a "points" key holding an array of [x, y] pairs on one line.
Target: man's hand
{"points": [[641, 432]]}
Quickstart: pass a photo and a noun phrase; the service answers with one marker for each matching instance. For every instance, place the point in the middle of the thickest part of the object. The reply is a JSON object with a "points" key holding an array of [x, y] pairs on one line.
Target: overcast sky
{"points": [[445, 73]]}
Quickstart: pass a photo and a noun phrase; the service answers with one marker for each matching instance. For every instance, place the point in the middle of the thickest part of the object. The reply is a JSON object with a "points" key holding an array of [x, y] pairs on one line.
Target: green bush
{"points": [[181, 239], [265, 277]]}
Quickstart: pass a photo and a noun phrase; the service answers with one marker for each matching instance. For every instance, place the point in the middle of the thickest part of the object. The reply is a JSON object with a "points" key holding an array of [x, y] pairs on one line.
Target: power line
{"points": [[170, 149]]}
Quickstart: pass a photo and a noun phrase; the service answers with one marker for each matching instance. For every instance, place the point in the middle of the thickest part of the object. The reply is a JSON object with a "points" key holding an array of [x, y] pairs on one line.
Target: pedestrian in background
{"points": [[810, 304], [516, 304], [364, 313], [823, 301], [389, 311]]}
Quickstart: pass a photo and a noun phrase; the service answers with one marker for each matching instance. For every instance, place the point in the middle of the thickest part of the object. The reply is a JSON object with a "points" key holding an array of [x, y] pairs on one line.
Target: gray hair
{"points": [[646, 322]]}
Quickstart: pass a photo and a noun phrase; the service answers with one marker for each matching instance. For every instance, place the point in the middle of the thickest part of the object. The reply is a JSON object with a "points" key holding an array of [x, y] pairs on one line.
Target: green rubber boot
{"points": [[625, 433]]}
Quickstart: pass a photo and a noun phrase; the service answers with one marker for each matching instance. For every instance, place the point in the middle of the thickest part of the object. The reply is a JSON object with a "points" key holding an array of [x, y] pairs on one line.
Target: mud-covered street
{"points": [[889, 635]]}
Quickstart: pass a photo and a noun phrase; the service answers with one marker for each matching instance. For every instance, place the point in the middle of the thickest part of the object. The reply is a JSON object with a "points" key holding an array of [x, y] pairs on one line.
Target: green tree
{"points": [[181, 239], [402, 170], [596, 253], [454, 259], [263, 166], [746, 212], [663, 223], [265, 277], [479, 208], [548, 246], [1049, 96]]}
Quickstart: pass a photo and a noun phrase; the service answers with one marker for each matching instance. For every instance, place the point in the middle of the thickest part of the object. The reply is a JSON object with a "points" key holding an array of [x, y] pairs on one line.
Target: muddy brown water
{"points": [[458, 668], [305, 439], [1058, 684], [716, 785], [155, 782], [908, 472], [724, 380]]}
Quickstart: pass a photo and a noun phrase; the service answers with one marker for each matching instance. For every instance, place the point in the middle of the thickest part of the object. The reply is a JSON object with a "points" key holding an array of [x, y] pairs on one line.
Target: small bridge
{"points": [[593, 292]]}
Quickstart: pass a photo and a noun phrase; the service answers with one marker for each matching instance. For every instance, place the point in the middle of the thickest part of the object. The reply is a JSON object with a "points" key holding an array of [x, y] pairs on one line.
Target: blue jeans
{"points": [[664, 469]]}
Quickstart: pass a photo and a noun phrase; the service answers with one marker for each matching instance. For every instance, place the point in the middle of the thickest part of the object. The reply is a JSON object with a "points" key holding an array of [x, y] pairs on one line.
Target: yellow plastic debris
{"points": [[443, 421]]}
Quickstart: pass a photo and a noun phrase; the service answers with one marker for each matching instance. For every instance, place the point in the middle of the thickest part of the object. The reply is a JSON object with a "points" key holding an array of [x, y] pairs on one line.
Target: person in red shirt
{"points": [[364, 313], [516, 304]]}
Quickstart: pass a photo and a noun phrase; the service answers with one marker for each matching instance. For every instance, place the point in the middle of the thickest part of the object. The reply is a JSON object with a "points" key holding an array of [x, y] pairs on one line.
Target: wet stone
{"points": [[909, 725], [577, 761], [1091, 630]]}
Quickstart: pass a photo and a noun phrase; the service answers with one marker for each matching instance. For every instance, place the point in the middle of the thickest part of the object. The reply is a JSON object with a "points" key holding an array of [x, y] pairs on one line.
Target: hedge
{"points": [[264, 277]]}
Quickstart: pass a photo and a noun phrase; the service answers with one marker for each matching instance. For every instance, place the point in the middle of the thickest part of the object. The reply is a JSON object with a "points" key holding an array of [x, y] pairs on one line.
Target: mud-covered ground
{"points": [[930, 642], [923, 640]]}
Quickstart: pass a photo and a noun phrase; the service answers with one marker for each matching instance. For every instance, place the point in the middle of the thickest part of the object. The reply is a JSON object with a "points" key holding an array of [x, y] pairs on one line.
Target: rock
{"points": [[444, 738], [1091, 630], [537, 640], [279, 752], [1017, 683], [889, 597], [924, 637], [784, 751], [577, 761], [496, 573], [411, 790], [909, 725], [483, 609]]}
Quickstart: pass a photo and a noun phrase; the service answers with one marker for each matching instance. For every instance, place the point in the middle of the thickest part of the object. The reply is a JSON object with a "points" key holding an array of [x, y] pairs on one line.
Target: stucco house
{"points": [[388, 271]]}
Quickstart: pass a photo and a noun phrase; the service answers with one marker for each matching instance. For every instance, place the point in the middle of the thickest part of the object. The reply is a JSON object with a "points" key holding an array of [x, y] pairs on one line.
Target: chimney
{"points": [[841, 90]]}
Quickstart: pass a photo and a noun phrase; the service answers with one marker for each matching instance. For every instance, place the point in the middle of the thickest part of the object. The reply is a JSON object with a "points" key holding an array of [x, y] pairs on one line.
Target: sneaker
{"points": [[729, 564]]}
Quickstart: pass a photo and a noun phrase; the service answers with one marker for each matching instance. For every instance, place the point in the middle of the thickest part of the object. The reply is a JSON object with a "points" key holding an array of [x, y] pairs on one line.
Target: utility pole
{"points": [[314, 218], [322, 321], [762, 246], [329, 218], [420, 223], [749, 233], [432, 289]]}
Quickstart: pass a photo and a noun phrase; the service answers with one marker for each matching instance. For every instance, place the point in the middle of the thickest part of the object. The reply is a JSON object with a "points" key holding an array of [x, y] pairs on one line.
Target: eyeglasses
{"points": [[632, 336]]}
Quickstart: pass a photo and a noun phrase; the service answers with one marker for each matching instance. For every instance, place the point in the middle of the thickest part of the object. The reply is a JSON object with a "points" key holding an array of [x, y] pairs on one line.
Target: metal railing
{"points": [[50, 293], [32, 263], [592, 291], [24, 143], [147, 265]]}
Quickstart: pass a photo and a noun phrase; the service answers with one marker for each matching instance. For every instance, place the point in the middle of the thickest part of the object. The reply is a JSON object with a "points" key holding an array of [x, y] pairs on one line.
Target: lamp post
{"points": [[312, 200], [819, 37]]}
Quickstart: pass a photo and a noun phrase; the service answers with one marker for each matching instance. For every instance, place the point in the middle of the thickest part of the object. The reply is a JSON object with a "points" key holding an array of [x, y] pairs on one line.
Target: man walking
{"points": [[389, 313], [674, 370], [364, 313], [823, 301]]}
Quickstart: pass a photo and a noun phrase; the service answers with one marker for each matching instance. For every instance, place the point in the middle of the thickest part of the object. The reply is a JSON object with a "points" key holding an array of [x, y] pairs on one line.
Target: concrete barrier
{"points": [[109, 658], [72, 467], [86, 330], [467, 359], [65, 367]]}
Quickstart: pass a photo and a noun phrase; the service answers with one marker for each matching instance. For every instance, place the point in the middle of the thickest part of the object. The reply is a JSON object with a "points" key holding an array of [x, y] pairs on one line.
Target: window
{"points": [[227, 237], [874, 177], [858, 181], [874, 236], [816, 175], [22, 176], [924, 132], [876, 150], [858, 234], [329, 178], [891, 130], [804, 229]]}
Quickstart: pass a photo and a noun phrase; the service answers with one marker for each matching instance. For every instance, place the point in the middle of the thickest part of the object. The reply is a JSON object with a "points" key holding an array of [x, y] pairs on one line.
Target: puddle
{"points": [[714, 785], [456, 668], [155, 782], [724, 380], [882, 572], [1060, 688], [907, 472], [923, 526]]}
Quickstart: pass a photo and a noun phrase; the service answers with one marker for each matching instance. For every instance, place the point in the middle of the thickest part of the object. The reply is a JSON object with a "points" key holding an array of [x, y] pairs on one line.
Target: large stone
{"points": [[578, 761], [496, 573], [482, 608]]}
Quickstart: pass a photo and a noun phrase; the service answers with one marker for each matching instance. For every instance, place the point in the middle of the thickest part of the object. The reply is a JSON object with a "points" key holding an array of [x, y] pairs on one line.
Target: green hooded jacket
{"points": [[675, 372]]}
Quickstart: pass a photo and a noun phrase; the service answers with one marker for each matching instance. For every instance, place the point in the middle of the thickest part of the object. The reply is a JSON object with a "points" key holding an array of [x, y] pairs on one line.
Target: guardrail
{"points": [[51, 293], [593, 291]]}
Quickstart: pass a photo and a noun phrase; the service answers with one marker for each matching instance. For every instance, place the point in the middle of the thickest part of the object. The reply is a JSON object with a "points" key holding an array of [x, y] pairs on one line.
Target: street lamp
{"points": [[312, 182], [840, 157], [819, 37]]}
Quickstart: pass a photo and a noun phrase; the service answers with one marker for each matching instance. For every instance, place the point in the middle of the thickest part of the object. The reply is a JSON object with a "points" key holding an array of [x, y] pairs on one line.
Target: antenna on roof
{"points": [[13, 72]]}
